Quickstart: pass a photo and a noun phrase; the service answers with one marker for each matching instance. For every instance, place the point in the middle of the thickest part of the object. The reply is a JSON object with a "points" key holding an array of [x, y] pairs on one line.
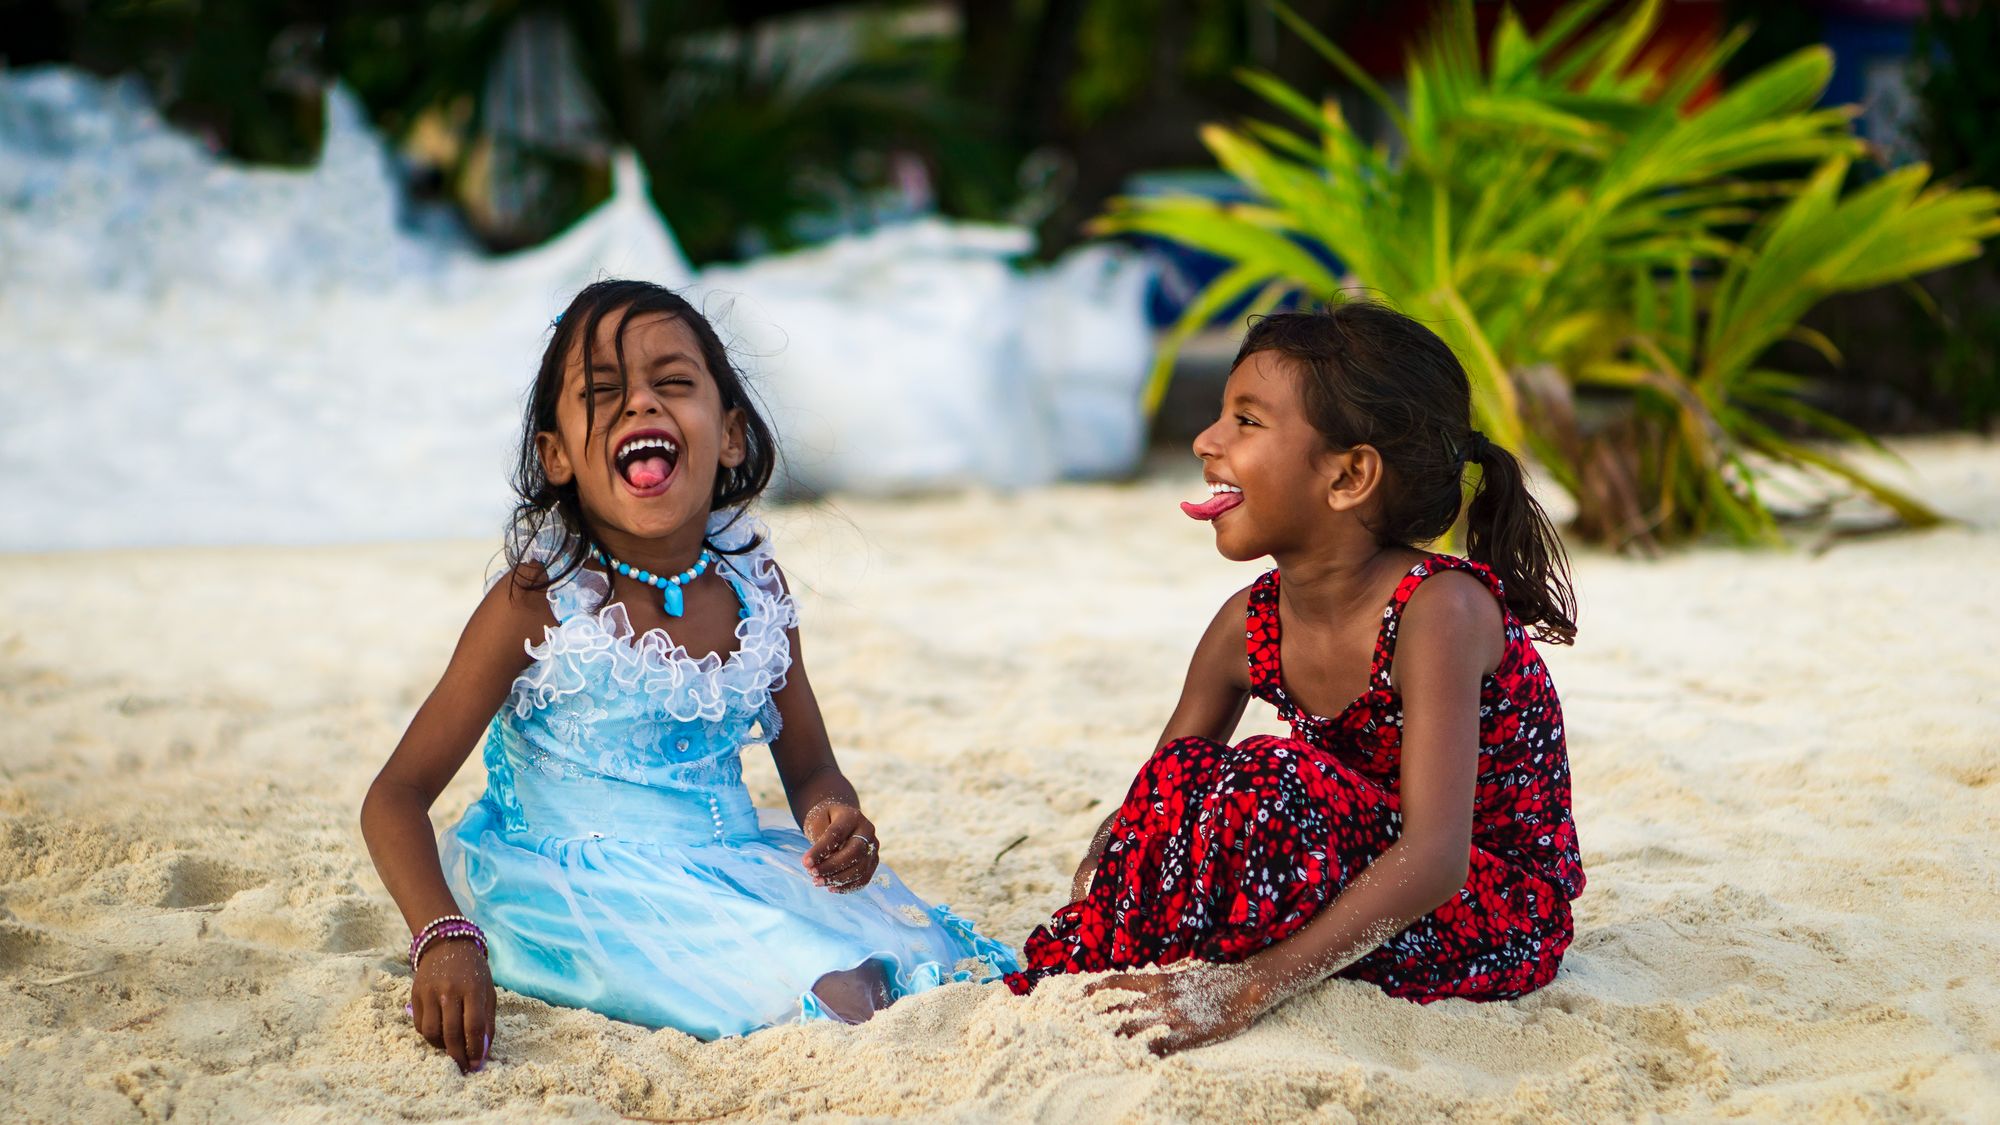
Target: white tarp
{"points": [[192, 351]]}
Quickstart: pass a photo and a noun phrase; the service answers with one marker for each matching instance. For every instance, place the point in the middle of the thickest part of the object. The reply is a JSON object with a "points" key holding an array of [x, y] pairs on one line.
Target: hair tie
{"points": [[1476, 447], [1473, 449]]}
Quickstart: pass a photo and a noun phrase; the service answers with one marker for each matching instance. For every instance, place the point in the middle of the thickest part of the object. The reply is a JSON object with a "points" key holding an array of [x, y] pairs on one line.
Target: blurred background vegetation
{"points": [[1638, 372], [763, 123], [1613, 235]]}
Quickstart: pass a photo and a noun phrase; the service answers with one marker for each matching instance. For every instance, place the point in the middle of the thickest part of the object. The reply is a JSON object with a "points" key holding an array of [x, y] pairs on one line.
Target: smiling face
{"points": [[1275, 486], [642, 445]]}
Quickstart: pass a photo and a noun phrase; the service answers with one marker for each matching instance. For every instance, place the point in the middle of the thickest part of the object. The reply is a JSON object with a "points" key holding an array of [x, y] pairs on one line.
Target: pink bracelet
{"points": [[417, 939], [447, 928], [449, 933]]}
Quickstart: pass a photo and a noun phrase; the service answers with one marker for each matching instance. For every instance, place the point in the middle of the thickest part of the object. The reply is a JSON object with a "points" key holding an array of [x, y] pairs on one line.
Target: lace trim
{"points": [[995, 956], [500, 777], [679, 686]]}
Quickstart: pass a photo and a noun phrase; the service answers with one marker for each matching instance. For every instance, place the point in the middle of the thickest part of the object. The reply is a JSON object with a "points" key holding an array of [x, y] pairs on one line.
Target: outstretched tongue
{"points": [[647, 472], [1213, 506]]}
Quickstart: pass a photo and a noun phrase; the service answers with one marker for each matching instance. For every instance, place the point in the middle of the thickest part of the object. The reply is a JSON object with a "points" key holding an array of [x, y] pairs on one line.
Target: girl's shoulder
{"points": [[1453, 598], [545, 575], [513, 615], [1440, 578], [1447, 603]]}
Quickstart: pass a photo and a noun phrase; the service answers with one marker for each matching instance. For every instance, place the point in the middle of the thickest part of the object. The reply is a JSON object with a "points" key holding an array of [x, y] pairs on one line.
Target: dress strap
{"points": [[1260, 631], [1392, 614]]}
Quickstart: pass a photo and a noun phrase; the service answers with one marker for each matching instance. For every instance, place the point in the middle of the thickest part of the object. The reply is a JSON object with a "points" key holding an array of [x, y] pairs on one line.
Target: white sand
{"points": [[1785, 769]]}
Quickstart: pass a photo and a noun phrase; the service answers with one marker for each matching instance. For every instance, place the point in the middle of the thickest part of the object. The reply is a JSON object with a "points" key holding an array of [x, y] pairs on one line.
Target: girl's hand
{"points": [[452, 1001], [1197, 1006], [842, 857]]}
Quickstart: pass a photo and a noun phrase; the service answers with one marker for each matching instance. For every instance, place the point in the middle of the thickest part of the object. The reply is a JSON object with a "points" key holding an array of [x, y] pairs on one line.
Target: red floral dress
{"points": [[1219, 851]]}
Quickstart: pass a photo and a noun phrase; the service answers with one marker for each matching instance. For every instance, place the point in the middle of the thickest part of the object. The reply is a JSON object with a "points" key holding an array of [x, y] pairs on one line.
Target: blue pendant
{"points": [[671, 600]]}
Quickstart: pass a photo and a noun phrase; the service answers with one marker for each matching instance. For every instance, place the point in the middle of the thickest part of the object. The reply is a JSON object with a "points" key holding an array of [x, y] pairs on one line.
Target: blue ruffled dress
{"points": [[615, 860]]}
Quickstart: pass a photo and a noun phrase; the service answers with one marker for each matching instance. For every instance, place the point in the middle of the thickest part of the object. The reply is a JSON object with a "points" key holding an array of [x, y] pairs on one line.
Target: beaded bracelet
{"points": [[447, 928], [449, 933], [416, 939]]}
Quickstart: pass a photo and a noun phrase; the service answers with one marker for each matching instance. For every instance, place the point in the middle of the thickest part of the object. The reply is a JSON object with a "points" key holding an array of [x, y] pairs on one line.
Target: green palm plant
{"points": [[1570, 204]]}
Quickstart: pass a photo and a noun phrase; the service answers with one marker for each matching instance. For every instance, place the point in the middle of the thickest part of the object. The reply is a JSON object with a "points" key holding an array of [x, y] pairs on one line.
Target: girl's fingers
{"points": [[1141, 1024], [426, 1019], [849, 881], [1124, 982], [491, 1021], [850, 853], [830, 841], [453, 1011], [478, 1031]]}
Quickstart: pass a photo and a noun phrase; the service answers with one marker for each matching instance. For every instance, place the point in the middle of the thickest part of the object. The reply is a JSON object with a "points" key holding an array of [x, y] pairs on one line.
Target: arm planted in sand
{"points": [[1213, 696], [845, 848], [451, 994], [1451, 639]]}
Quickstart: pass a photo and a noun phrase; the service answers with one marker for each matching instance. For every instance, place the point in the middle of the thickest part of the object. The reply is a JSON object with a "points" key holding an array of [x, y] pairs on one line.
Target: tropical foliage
{"points": [[1611, 246]]}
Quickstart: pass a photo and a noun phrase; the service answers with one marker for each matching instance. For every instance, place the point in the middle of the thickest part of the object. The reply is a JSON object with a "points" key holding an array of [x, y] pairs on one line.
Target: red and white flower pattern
{"points": [[1218, 851]]}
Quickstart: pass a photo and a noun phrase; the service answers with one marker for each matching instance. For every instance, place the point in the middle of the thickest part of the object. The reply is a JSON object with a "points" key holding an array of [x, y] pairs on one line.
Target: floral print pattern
{"points": [[1219, 851]]}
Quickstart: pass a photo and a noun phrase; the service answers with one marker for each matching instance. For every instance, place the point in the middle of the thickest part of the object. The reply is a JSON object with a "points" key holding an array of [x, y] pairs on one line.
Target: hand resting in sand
{"points": [[1198, 1005], [452, 1001]]}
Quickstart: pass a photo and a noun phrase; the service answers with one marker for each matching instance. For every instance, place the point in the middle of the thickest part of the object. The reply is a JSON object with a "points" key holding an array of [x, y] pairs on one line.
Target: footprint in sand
{"points": [[35, 955], [186, 880], [350, 925]]}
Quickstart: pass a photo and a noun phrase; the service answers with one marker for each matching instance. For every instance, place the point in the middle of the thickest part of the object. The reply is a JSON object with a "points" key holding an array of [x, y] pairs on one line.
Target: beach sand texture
{"points": [[1785, 768]]}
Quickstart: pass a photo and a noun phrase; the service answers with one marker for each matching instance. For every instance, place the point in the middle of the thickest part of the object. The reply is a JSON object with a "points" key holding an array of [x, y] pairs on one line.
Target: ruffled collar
{"points": [[589, 632]]}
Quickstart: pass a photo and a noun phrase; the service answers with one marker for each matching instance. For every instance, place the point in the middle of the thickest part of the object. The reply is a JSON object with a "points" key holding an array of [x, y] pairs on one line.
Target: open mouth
{"points": [[646, 461], [1221, 498]]}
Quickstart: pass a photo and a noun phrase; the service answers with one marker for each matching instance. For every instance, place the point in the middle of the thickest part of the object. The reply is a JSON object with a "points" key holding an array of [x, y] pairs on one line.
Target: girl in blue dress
{"points": [[641, 636]]}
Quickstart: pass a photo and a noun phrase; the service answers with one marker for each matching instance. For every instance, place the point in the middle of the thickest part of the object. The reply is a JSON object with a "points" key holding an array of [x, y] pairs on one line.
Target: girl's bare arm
{"points": [[822, 800], [451, 998], [1218, 679], [1212, 700], [395, 816], [1450, 640]]}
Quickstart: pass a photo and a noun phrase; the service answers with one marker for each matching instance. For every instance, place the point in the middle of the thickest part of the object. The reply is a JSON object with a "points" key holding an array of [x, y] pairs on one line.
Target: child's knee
{"points": [[1191, 751], [1258, 788]]}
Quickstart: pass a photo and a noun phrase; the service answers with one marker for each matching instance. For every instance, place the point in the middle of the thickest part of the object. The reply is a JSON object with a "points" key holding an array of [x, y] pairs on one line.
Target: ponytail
{"points": [[1507, 531]]}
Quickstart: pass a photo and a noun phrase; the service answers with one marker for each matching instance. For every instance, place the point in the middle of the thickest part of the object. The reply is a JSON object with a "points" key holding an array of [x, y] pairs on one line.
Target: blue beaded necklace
{"points": [[671, 599]]}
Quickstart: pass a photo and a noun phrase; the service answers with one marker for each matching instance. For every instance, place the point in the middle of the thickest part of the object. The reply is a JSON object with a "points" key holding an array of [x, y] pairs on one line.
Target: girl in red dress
{"points": [[1414, 831]]}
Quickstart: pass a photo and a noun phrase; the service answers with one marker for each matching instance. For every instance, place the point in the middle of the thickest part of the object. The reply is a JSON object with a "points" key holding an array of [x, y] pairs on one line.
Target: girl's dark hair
{"points": [[540, 504], [1372, 376]]}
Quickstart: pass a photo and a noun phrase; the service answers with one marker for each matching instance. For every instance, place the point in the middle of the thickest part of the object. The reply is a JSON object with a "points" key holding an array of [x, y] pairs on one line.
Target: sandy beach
{"points": [[1785, 768]]}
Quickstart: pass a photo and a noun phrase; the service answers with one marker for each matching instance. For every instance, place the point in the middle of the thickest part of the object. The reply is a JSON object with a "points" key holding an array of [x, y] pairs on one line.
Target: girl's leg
{"points": [[1122, 919], [1280, 835], [1217, 851], [854, 995]]}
